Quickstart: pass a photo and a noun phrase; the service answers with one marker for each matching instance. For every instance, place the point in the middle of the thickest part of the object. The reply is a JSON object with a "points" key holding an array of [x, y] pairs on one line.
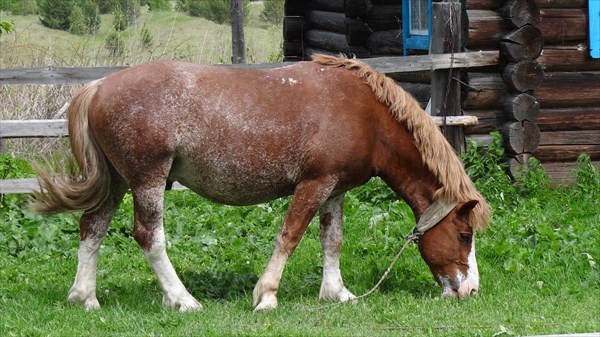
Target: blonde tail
{"points": [[85, 184]]}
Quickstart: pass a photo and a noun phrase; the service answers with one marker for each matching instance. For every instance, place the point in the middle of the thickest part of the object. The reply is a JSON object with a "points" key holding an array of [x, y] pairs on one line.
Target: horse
{"points": [[313, 130]]}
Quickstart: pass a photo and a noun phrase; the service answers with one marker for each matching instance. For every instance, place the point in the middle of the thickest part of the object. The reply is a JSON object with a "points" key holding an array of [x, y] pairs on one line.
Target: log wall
{"points": [[544, 96]]}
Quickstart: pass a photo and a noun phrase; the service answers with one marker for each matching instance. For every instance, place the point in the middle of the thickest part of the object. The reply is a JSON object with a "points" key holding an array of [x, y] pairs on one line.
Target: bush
{"points": [[91, 12], [55, 13], [115, 45], [182, 6], [215, 10], [77, 22], [19, 7], [272, 11], [159, 5], [119, 20]]}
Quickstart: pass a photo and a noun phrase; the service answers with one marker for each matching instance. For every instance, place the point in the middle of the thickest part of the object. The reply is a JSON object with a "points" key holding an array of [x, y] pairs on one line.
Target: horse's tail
{"points": [[82, 182]]}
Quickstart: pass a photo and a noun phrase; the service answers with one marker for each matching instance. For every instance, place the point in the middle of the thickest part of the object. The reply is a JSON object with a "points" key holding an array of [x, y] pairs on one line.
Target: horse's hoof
{"points": [[267, 302], [89, 302]]}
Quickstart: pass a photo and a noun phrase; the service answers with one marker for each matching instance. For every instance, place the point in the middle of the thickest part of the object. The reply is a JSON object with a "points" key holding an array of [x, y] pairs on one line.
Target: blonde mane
{"points": [[435, 151]]}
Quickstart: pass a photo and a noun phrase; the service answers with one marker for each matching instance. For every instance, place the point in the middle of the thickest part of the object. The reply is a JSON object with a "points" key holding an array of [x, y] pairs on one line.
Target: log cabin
{"points": [[544, 95]]}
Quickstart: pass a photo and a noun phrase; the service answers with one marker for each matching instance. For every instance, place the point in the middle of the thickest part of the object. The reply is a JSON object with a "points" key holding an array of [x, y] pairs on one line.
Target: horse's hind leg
{"points": [[148, 231], [330, 216], [92, 230]]}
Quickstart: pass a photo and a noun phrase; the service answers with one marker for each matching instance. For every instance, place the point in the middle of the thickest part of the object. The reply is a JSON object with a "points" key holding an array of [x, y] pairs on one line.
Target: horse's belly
{"points": [[233, 183]]}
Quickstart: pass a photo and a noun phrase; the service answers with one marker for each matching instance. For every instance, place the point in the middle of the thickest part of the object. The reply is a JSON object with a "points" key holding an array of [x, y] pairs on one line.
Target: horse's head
{"points": [[448, 248]]}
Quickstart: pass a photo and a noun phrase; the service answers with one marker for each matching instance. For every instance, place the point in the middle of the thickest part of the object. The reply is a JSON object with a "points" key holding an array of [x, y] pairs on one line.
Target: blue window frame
{"points": [[416, 27], [594, 8]]}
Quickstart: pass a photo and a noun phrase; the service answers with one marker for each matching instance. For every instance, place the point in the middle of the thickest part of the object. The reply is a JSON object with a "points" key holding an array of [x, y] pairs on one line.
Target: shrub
{"points": [[182, 6], [272, 11], [77, 22], [6, 27], [146, 37], [159, 5], [115, 45], [119, 20], [19, 7], [91, 12], [55, 13]]}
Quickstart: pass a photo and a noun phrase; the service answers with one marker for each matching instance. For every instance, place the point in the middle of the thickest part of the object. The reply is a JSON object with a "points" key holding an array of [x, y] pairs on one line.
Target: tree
{"points": [[91, 11], [215, 10], [272, 11], [55, 13], [77, 21], [159, 5]]}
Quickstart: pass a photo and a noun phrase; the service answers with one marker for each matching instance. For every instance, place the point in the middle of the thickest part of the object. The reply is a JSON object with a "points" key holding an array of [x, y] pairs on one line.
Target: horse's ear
{"points": [[465, 208]]}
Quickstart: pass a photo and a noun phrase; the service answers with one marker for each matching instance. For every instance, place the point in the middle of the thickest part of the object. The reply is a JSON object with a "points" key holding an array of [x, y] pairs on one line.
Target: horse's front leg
{"points": [[307, 199], [330, 216], [149, 233]]}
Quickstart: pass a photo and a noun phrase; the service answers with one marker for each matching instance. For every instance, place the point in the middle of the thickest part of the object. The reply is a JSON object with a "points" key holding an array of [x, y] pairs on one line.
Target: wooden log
{"points": [[292, 48], [566, 152], [486, 91], [423, 76], [384, 2], [562, 172], [485, 125], [446, 37], [293, 28], [583, 137], [483, 140], [294, 8], [420, 91], [325, 20], [384, 17], [54, 75], [569, 89], [517, 163], [355, 8], [587, 118], [357, 32], [484, 4], [524, 75], [521, 107], [385, 42], [521, 12], [568, 58], [523, 43], [327, 5], [520, 137], [562, 3], [33, 128], [564, 26], [486, 29], [322, 39]]}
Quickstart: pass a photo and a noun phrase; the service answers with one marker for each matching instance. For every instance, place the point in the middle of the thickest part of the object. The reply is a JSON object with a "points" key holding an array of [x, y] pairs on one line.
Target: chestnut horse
{"points": [[313, 130]]}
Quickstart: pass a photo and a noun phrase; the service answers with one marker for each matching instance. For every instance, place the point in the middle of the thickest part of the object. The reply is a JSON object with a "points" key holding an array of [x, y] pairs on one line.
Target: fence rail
{"points": [[61, 75]]}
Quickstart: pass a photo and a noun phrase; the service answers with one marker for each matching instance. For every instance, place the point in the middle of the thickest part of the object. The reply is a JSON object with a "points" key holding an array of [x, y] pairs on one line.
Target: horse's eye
{"points": [[464, 237]]}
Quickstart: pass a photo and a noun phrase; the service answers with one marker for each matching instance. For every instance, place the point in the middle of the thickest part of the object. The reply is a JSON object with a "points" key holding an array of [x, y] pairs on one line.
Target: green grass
{"points": [[537, 265]]}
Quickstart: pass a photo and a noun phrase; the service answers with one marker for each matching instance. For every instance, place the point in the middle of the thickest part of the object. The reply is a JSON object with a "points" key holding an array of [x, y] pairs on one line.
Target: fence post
{"points": [[237, 32], [445, 88]]}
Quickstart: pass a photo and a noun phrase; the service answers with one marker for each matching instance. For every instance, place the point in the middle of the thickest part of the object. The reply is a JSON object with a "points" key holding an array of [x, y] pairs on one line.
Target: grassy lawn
{"points": [[537, 265]]}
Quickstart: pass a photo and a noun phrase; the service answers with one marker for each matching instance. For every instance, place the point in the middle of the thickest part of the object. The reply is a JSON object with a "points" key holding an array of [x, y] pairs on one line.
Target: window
{"points": [[416, 16]]}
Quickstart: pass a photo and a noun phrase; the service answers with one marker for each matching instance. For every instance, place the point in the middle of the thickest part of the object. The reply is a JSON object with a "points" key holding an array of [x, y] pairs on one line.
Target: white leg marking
{"points": [[174, 293], [83, 290], [332, 286], [264, 296]]}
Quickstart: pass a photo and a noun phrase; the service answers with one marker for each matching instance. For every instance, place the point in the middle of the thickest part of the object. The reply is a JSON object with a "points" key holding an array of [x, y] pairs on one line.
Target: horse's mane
{"points": [[436, 153]]}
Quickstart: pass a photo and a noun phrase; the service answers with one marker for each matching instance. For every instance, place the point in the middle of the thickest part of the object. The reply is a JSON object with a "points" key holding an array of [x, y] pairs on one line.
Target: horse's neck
{"points": [[401, 167]]}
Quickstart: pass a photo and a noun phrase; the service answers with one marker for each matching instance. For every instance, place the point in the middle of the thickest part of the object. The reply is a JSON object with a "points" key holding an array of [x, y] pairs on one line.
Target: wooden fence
{"points": [[57, 75]]}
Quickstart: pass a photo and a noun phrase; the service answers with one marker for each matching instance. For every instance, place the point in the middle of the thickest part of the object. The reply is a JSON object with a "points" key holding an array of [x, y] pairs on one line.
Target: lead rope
{"points": [[409, 239]]}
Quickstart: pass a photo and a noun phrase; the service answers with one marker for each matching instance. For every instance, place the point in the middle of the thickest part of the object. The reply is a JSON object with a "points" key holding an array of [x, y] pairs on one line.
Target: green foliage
{"points": [[91, 11], [119, 21], [19, 7], [6, 27], [272, 11], [146, 37], [182, 6], [77, 21], [159, 5], [215, 10], [55, 13], [115, 44]]}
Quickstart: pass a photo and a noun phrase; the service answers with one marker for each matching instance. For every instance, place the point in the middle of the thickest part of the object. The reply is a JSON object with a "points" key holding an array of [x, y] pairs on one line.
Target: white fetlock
{"points": [[268, 301], [86, 299], [183, 303]]}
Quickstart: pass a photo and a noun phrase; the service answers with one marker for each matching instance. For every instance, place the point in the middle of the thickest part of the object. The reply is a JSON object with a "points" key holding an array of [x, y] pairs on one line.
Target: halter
{"points": [[432, 216]]}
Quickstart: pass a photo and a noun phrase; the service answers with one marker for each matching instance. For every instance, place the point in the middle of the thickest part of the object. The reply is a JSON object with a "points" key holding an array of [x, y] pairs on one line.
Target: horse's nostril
{"points": [[473, 291]]}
